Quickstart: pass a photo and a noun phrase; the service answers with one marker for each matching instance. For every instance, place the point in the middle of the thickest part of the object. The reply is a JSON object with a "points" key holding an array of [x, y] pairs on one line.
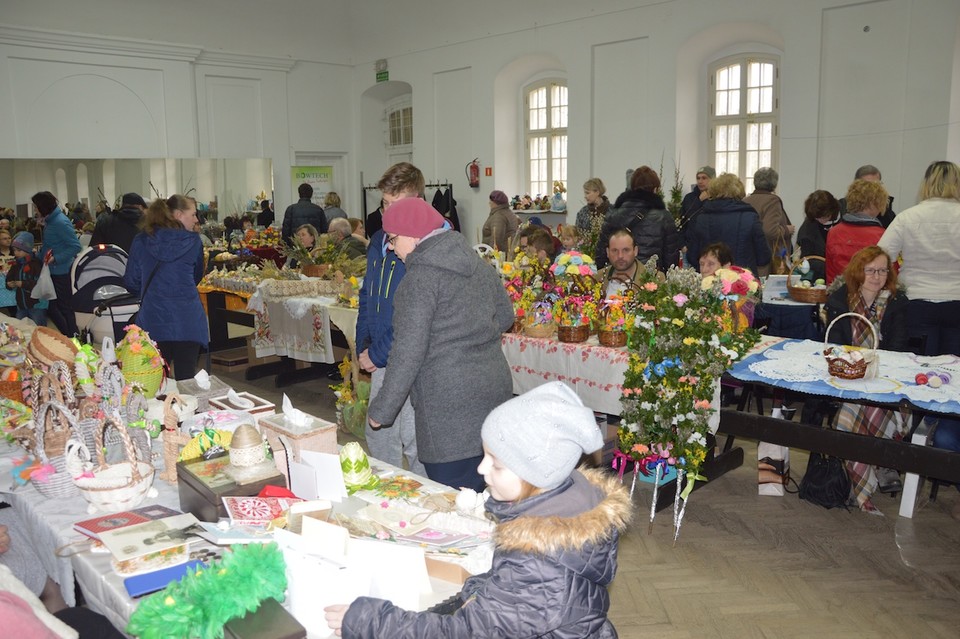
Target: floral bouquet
{"points": [[573, 263], [575, 310], [680, 348], [613, 315], [740, 289]]}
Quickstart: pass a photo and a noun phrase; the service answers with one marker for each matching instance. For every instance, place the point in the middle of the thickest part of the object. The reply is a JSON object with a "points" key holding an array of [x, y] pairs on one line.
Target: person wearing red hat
{"points": [[447, 360]]}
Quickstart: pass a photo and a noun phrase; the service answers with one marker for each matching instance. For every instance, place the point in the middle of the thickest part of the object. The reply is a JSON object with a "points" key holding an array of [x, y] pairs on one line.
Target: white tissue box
{"points": [[319, 436], [260, 405], [203, 395]]}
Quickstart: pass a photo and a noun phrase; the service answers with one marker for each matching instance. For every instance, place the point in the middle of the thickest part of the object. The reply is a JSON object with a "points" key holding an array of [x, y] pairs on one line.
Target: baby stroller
{"points": [[102, 304]]}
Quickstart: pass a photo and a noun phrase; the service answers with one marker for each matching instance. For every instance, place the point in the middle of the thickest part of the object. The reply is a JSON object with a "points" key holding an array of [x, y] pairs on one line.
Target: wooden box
{"points": [[260, 405], [202, 483], [320, 437]]}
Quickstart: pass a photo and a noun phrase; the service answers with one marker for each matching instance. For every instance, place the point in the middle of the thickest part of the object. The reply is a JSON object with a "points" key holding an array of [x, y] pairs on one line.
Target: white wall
{"points": [[241, 78]]}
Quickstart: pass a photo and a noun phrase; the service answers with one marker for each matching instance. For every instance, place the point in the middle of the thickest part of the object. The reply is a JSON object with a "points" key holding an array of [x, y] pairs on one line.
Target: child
{"points": [[23, 276], [556, 543], [568, 237]]}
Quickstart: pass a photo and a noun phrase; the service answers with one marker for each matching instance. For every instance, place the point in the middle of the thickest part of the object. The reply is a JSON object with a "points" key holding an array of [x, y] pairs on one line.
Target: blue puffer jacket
{"points": [[171, 309], [736, 224], [59, 237], [375, 317], [555, 556]]}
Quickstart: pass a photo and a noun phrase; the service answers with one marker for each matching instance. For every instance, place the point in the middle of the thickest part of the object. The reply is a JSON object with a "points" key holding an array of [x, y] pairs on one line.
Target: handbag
{"points": [[143, 294], [826, 482], [780, 261]]}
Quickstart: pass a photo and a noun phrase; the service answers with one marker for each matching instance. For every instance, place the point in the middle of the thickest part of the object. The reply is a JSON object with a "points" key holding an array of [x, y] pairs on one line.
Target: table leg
{"points": [[912, 481]]}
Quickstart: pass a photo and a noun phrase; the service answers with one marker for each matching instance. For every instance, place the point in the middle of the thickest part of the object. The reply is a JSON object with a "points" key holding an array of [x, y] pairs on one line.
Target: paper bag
{"points": [[773, 469]]}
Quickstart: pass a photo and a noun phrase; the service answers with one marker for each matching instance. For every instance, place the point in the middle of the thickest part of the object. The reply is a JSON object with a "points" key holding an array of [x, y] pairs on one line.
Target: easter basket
{"points": [[540, 330], [110, 388], [140, 360], [119, 486], [612, 339], [48, 346], [173, 439], [53, 417], [801, 294], [849, 362], [573, 334], [55, 386]]}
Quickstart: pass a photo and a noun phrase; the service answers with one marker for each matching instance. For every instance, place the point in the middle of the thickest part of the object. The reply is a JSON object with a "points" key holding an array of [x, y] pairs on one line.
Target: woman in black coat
{"points": [[870, 289], [643, 212]]}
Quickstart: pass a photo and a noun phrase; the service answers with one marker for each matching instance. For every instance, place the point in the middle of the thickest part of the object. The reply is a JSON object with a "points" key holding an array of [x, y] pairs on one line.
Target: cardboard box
{"points": [[446, 571], [319, 437], [202, 482]]}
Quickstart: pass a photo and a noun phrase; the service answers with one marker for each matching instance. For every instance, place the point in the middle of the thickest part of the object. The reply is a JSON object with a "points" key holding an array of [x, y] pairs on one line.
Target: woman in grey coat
{"points": [[449, 312]]}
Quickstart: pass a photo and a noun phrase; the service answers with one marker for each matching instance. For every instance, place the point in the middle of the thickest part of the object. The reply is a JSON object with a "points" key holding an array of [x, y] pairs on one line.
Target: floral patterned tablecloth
{"points": [[299, 328], [595, 372]]}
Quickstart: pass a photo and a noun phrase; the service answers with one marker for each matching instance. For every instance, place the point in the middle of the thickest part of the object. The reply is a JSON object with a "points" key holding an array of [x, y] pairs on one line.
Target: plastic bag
{"points": [[44, 289]]}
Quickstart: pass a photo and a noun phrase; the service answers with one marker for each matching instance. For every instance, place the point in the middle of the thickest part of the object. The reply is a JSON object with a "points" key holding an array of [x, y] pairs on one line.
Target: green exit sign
{"points": [[383, 76]]}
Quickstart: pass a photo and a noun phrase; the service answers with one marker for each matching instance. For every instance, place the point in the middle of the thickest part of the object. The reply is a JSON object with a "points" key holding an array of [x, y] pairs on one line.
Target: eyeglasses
{"points": [[392, 239], [875, 271]]}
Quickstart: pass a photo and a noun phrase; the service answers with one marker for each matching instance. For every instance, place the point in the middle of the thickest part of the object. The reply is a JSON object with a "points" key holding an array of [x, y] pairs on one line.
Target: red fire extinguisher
{"points": [[473, 173]]}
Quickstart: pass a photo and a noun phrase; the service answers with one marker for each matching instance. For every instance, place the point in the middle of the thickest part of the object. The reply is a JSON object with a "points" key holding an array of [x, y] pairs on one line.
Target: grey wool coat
{"points": [[449, 312], [555, 555]]}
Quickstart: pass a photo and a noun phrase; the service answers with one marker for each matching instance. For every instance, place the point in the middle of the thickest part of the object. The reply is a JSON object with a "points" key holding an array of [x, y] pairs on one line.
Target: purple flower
{"points": [[680, 299]]}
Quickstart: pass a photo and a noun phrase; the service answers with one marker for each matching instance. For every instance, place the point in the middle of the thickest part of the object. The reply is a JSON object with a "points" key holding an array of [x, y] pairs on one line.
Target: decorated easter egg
{"points": [[921, 379], [935, 381]]}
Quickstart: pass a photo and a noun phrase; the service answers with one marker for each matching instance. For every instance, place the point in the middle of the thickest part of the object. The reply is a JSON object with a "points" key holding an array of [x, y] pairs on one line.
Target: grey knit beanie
{"points": [[541, 434]]}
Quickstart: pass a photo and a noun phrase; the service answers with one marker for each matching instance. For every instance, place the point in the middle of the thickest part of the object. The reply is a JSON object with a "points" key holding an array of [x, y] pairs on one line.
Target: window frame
{"points": [[402, 108], [549, 132], [743, 119]]}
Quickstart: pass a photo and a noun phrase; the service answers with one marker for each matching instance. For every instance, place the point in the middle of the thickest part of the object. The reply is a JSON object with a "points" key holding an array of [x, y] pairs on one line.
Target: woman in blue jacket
{"points": [[165, 266], [60, 246]]}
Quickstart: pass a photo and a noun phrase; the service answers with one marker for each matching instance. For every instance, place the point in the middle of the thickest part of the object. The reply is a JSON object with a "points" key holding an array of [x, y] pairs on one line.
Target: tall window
{"points": [[399, 123], [546, 135], [745, 115]]}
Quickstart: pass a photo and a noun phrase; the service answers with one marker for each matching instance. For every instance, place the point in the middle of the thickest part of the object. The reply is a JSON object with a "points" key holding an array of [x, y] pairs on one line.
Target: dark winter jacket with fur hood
{"points": [[555, 556]]}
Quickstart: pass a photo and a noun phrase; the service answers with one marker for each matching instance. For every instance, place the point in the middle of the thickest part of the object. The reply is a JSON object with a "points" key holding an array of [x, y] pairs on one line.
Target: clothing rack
{"points": [[373, 187]]}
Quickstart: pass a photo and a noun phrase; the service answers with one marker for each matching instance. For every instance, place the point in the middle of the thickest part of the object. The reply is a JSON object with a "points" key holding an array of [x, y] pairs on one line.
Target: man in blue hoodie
{"points": [[375, 323]]}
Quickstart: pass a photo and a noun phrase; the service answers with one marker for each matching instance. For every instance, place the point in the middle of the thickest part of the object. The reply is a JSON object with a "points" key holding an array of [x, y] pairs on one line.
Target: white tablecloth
{"points": [[595, 372]]}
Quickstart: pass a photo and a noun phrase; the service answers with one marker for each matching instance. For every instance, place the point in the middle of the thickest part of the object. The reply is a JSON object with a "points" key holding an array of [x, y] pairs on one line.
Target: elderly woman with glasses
{"points": [[870, 289]]}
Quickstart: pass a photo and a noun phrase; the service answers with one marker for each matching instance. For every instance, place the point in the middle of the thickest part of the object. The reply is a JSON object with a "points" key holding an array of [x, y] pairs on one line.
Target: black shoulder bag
{"points": [[135, 316], [826, 482]]}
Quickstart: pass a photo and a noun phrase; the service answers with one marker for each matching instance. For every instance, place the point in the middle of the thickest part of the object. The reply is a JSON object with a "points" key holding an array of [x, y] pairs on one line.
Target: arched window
{"points": [[545, 105], [745, 115], [399, 113]]}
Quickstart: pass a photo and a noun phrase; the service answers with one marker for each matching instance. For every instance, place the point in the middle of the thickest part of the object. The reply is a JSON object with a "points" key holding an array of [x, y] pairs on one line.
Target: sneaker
{"points": [[888, 481]]}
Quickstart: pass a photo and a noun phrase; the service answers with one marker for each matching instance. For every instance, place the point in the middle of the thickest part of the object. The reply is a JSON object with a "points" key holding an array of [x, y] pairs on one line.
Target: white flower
{"points": [[697, 438]]}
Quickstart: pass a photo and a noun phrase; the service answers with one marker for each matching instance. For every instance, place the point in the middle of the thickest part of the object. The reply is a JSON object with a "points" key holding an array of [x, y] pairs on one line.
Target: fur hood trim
{"points": [[549, 535]]}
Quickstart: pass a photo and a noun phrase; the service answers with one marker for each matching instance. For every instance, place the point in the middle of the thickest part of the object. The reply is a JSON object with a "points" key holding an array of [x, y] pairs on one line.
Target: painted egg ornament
{"points": [[935, 381], [945, 377], [920, 379]]}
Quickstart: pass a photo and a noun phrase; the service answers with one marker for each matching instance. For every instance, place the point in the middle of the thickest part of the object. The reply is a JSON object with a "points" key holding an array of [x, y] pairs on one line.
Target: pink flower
{"points": [[650, 286], [384, 504], [702, 404], [648, 307], [680, 299]]}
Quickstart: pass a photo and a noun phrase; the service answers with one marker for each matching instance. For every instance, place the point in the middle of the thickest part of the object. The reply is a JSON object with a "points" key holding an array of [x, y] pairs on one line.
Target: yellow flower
{"points": [[690, 341], [677, 322]]}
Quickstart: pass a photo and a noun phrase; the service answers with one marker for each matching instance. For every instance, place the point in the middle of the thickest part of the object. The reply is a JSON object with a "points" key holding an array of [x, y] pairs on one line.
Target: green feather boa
{"points": [[202, 602]]}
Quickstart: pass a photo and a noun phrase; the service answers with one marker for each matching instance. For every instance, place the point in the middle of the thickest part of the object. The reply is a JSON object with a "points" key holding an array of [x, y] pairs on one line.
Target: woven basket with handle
{"points": [[173, 439], [805, 295], [54, 386], [865, 368], [120, 486], [59, 483]]}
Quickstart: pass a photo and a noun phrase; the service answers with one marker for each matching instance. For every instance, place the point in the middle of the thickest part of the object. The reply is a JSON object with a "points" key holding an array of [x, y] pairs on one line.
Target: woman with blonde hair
{"points": [[594, 212], [858, 227], [726, 218], [164, 268], [331, 207]]}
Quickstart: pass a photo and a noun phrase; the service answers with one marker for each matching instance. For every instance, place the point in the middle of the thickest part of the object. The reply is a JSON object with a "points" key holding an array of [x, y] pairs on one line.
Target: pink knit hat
{"points": [[412, 217]]}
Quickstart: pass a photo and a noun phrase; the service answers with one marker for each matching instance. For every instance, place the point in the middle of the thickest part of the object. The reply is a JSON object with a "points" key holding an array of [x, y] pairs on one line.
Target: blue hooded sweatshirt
{"points": [[385, 271]]}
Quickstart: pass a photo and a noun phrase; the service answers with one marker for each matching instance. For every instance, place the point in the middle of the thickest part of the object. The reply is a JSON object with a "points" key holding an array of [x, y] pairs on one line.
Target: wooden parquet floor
{"points": [[747, 566], [751, 566]]}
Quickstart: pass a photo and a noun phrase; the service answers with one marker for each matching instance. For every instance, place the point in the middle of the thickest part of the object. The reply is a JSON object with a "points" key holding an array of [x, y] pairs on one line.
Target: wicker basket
{"points": [[315, 270], [806, 295], [48, 346], [173, 439], [115, 487], [573, 334], [865, 368], [12, 390], [58, 484], [54, 387], [612, 339], [539, 330]]}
